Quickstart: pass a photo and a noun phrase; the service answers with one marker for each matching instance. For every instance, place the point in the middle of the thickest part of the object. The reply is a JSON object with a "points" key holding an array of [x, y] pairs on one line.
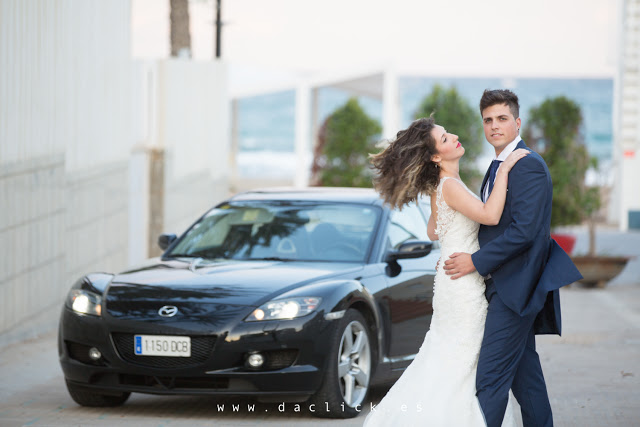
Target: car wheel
{"points": [[86, 397], [348, 371]]}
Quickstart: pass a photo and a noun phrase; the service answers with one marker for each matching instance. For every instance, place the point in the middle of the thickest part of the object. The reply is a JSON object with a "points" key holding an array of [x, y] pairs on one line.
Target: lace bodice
{"points": [[464, 236]]}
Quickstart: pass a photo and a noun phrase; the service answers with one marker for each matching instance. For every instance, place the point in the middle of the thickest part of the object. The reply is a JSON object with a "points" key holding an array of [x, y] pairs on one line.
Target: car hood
{"points": [[213, 286]]}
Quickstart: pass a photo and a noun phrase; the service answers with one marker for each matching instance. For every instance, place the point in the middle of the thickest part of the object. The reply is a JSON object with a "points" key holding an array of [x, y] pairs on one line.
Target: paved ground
{"points": [[592, 371]]}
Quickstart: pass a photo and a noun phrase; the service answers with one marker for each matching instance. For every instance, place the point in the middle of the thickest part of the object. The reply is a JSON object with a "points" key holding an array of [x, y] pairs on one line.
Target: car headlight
{"points": [[85, 302], [284, 309]]}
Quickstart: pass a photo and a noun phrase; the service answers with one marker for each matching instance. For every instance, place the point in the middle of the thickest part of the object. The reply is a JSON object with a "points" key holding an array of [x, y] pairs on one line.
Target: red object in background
{"points": [[566, 241], [630, 154]]}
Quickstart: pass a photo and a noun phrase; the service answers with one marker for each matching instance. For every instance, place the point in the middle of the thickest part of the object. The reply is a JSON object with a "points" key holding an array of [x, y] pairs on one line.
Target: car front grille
{"points": [[201, 349]]}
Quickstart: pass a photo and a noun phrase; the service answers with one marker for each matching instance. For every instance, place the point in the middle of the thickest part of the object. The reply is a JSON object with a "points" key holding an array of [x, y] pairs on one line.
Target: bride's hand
{"points": [[512, 159]]}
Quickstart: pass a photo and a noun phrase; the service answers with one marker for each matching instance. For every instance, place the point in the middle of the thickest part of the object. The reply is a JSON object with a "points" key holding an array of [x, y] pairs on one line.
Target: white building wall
{"points": [[65, 136], [32, 242], [78, 120], [97, 110], [29, 125], [626, 122], [193, 129]]}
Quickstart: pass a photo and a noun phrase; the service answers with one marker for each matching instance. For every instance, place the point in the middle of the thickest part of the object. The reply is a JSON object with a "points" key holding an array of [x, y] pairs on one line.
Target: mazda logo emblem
{"points": [[168, 311]]}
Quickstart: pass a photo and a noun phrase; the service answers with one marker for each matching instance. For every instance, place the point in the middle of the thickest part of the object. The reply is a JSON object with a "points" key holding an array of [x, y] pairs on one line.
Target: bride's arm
{"points": [[489, 213]]}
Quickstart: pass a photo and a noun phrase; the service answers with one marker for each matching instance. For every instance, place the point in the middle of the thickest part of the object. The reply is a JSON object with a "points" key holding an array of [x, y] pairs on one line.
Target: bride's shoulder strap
{"points": [[441, 183], [439, 192], [458, 184], [454, 191]]}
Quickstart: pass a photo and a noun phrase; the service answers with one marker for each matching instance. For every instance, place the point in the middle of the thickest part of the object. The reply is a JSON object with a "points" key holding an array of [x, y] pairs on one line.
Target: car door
{"points": [[410, 293]]}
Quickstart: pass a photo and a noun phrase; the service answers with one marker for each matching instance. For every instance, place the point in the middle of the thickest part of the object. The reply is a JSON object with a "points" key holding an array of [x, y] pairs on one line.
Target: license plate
{"points": [[162, 345]]}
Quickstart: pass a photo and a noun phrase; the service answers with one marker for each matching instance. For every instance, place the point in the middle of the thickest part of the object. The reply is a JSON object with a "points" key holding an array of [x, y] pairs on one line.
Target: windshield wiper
{"points": [[183, 256], [270, 258]]}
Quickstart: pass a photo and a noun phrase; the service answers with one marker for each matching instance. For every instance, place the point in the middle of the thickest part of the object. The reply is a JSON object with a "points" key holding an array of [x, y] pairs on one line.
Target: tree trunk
{"points": [[180, 36]]}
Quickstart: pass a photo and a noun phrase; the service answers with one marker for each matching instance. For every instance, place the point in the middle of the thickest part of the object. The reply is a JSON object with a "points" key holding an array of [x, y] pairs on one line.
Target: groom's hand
{"points": [[459, 264]]}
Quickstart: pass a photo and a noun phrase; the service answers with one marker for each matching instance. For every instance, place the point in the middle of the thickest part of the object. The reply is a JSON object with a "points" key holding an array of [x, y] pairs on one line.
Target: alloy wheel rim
{"points": [[354, 364]]}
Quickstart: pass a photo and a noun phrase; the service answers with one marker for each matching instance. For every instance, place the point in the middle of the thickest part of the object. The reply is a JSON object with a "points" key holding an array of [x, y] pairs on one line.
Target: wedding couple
{"points": [[498, 285]]}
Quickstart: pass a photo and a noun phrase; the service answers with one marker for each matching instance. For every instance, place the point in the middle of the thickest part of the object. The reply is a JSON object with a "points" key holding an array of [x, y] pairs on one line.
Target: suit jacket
{"points": [[526, 264]]}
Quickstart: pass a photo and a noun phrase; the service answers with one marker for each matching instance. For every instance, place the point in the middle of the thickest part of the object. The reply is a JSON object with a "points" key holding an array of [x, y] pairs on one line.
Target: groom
{"points": [[523, 269]]}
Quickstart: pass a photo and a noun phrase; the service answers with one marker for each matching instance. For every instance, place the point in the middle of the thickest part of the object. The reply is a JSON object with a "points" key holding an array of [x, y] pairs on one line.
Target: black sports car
{"points": [[285, 295]]}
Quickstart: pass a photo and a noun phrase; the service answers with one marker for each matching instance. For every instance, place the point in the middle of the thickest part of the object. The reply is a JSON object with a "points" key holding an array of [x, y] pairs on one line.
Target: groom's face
{"points": [[500, 127]]}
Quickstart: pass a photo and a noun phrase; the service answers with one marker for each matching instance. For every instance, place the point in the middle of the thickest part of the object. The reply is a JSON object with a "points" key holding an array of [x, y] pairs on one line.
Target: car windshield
{"points": [[261, 230]]}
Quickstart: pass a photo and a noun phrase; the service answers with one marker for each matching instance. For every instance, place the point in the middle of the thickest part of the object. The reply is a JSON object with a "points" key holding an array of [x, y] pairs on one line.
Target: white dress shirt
{"points": [[502, 157]]}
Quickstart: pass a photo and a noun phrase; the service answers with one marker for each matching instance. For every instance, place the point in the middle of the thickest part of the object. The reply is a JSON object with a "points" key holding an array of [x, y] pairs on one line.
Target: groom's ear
{"points": [[518, 123]]}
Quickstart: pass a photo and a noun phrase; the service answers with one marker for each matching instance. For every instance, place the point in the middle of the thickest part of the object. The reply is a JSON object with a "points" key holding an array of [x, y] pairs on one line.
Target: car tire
{"points": [[85, 397], [348, 372]]}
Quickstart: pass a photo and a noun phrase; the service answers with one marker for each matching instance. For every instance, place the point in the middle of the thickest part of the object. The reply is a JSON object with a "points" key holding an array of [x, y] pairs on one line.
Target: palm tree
{"points": [[180, 36]]}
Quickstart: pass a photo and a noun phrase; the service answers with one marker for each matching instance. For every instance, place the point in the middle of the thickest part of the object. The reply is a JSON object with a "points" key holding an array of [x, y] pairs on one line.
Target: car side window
{"points": [[407, 224]]}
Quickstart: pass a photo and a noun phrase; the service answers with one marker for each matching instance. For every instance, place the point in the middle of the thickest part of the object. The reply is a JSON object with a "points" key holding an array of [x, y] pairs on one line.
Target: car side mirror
{"points": [[165, 240], [410, 249]]}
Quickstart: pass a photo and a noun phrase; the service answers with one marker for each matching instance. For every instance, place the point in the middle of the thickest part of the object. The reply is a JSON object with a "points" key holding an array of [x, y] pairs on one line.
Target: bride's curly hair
{"points": [[404, 169]]}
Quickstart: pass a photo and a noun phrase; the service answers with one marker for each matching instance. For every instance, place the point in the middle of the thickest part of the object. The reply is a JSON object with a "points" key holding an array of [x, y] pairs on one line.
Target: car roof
{"points": [[324, 194]]}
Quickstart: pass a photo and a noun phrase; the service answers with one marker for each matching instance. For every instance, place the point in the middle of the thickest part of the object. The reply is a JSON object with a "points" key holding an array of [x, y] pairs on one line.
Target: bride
{"points": [[438, 388]]}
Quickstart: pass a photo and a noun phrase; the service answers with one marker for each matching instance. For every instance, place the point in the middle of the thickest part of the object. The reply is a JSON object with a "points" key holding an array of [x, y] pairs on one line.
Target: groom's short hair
{"points": [[500, 96]]}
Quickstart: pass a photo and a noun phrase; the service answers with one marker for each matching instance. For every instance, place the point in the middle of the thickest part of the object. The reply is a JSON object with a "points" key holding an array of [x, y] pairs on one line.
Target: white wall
{"points": [[60, 62], [31, 79], [97, 111], [193, 128], [181, 111], [32, 242], [78, 120], [65, 136], [626, 123]]}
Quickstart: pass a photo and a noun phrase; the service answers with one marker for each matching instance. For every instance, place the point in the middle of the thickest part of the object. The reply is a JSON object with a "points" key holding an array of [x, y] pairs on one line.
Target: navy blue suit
{"points": [[527, 268]]}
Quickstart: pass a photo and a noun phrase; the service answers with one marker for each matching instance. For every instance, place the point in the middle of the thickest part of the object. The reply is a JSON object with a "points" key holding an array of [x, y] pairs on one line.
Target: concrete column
{"points": [[156, 199], [626, 122], [303, 135], [390, 105], [235, 146], [615, 203], [139, 180], [315, 115]]}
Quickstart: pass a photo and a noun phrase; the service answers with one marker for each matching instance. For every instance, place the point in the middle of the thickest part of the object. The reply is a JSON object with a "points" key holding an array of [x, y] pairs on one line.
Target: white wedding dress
{"points": [[438, 388]]}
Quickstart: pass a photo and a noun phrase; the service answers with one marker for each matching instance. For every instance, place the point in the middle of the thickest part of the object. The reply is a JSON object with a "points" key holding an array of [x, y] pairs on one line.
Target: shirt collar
{"points": [[508, 149]]}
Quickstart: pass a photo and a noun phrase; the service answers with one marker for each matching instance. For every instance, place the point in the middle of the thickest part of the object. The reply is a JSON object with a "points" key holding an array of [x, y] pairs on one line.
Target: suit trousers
{"points": [[508, 360]]}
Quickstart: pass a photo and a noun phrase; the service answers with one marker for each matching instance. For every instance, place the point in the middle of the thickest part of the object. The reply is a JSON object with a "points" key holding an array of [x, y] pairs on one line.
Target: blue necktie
{"points": [[492, 174]]}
